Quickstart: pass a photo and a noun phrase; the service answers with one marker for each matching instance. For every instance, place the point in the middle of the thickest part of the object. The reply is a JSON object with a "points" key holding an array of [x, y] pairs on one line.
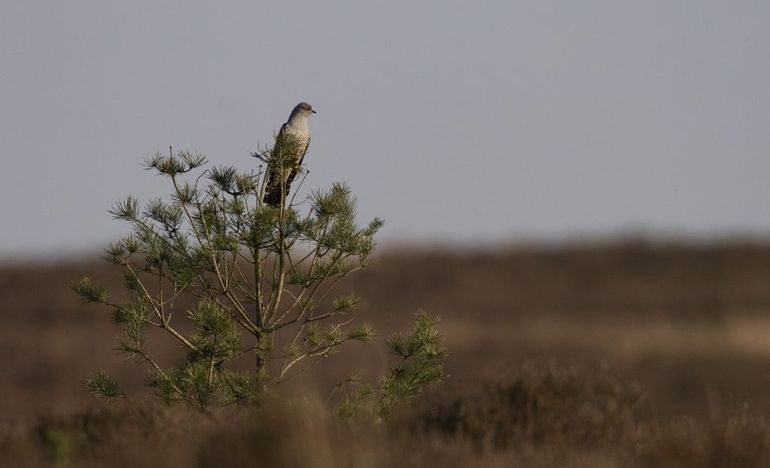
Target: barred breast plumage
{"points": [[300, 138]]}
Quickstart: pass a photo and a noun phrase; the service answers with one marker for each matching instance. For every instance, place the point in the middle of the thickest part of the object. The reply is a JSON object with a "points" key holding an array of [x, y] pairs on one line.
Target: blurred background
{"points": [[574, 182]]}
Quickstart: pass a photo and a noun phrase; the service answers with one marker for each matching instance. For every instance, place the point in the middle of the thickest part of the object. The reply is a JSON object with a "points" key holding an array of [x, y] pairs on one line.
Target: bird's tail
{"points": [[273, 195], [273, 189]]}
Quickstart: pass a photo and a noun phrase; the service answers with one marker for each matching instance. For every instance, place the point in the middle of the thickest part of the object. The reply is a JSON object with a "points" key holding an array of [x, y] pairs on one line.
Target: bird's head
{"points": [[304, 109]]}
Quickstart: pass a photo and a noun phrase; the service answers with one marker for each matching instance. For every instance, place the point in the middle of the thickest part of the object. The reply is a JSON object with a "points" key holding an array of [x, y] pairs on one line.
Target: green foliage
{"points": [[251, 279], [346, 303], [362, 332], [88, 291], [357, 397], [171, 166], [216, 337], [127, 210], [243, 388], [102, 385], [420, 362]]}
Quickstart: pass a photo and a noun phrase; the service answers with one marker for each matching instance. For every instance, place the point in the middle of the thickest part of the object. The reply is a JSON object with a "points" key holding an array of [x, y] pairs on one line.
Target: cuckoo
{"points": [[289, 151]]}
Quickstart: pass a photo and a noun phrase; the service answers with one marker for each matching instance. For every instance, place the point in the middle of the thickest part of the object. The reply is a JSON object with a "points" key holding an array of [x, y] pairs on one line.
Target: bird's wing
{"points": [[272, 172], [280, 138]]}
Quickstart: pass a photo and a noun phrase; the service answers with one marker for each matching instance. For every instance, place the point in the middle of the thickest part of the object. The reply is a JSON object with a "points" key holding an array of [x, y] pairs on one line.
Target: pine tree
{"points": [[258, 277]]}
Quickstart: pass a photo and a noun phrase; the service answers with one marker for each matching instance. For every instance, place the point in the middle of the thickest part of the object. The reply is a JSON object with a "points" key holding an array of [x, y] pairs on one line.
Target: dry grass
{"points": [[615, 355], [545, 416]]}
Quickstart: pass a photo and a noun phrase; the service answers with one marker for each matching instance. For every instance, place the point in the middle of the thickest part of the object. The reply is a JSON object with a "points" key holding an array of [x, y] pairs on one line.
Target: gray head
{"points": [[302, 109]]}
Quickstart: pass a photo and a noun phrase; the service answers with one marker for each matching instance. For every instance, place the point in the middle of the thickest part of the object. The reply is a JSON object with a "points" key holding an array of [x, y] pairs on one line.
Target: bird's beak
{"points": [[313, 112]]}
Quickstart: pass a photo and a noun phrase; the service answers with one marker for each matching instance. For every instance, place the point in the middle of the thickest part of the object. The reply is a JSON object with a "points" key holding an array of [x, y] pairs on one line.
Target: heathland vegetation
{"points": [[626, 354]]}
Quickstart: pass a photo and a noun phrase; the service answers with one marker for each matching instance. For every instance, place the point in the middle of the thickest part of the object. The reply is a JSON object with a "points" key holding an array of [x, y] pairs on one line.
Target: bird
{"points": [[291, 144]]}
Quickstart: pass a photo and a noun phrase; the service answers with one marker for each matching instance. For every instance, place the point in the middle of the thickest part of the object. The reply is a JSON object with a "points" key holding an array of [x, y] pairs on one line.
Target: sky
{"points": [[455, 121]]}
